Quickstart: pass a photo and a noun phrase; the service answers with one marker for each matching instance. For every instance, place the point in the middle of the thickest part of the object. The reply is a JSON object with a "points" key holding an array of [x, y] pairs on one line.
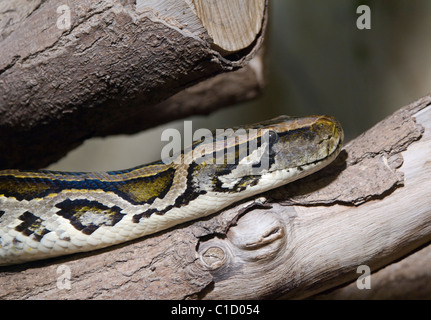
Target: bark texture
{"points": [[106, 73], [371, 207]]}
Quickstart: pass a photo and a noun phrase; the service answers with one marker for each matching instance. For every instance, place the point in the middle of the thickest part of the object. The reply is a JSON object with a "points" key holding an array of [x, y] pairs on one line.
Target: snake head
{"points": [[267, 154], [310, 141]]}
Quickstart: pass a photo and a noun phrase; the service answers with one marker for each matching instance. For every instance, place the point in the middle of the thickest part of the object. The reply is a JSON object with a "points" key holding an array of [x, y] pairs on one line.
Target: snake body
{"points": [[46, 214]]}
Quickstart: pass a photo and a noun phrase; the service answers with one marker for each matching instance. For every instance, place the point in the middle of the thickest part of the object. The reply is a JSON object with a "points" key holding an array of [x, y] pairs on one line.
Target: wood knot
{"points": [[213, 257], [259, 236]]}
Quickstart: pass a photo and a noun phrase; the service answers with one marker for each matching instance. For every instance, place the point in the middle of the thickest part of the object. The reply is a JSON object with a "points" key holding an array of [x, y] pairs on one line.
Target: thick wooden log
{"points": [[80, 69], [371, 207], [407, 279]]}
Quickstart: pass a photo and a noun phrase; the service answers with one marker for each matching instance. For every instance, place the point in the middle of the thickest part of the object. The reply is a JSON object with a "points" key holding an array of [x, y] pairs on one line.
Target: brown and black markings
{"points": [[87, 216], [31, 226], [137, 189]]}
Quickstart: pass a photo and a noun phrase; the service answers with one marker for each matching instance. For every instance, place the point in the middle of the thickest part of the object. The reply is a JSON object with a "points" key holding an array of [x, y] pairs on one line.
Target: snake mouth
{"points": [[334, 144], [331, 154], [317, 164]]}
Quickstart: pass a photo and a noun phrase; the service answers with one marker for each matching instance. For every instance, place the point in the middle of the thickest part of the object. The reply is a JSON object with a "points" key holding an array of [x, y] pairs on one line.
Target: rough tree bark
{"points": [[372, 207], [117, 62]]}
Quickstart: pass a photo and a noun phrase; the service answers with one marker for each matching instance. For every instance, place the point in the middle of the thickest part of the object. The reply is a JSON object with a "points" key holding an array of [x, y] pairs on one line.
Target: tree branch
{"points": [[119, 61], [370, 207]]}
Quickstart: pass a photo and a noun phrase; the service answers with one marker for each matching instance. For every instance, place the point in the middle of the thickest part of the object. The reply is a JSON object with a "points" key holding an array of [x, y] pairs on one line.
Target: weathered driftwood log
{"points": [[371, 207], [114, 63], [409, 278]]}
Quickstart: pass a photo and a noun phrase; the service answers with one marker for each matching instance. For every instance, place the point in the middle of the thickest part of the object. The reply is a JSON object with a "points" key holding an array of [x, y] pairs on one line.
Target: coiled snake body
{"points": [[46, 214]]}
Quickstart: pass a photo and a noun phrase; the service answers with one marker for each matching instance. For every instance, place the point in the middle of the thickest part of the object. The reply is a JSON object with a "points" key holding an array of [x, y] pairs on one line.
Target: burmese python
{"points": [[46, 213]]}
